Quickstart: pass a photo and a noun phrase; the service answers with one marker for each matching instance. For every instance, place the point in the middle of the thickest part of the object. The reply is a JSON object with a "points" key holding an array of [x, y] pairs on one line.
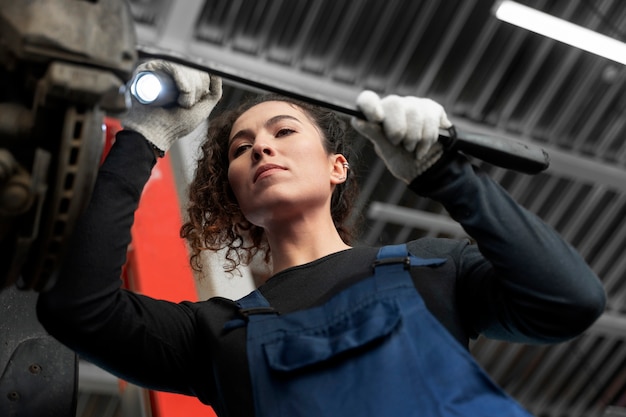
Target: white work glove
{"points": [[403, 130], [199, 92]]}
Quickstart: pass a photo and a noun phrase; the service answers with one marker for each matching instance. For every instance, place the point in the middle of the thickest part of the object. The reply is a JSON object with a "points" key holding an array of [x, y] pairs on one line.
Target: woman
{"points": [[212, 217], [335, 329]]}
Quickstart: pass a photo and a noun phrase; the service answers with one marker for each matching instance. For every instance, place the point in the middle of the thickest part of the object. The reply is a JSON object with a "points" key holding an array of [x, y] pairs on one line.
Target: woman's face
{"points": [[278, 167]]}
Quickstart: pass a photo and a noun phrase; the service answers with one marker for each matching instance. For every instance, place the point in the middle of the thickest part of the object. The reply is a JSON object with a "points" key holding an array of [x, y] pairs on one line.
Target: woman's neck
{"points": [[302, 242]]}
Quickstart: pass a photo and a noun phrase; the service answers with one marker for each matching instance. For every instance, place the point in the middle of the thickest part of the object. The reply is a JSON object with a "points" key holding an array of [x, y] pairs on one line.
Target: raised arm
{"points": [[138, 338], [525, 283]]}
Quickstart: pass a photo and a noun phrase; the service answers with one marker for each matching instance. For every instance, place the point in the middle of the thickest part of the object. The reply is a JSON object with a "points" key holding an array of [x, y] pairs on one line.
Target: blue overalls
{"points": [[372, 350]]}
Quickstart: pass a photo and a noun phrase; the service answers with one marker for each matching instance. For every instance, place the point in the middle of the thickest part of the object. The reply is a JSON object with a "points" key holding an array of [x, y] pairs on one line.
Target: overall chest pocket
{"points": [[316, 343]]}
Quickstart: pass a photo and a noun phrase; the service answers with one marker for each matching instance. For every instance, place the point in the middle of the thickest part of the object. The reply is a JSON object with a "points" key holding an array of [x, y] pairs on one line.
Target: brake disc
{"points": [[75, 168]]}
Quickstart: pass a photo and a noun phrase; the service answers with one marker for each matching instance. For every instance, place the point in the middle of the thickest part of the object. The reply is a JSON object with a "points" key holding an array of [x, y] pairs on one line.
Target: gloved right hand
{"points": [[199, 92], [403, 130]]}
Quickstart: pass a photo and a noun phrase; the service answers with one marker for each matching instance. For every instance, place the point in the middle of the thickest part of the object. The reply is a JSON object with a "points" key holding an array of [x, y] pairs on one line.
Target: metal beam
{"points": [[414, 218], [610, 323], [563, 163]]}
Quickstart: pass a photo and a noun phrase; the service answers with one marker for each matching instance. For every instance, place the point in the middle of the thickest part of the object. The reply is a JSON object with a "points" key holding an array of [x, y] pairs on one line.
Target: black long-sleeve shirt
{"points": [[521, 282]]}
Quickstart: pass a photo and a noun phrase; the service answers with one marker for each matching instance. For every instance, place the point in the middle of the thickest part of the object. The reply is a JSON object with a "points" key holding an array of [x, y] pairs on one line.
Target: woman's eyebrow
{"points": [[240, 134], [269, 122], [277, 119]]}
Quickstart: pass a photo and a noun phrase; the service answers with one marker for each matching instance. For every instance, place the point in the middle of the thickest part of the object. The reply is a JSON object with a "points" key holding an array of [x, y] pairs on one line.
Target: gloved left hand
{"points": [[403, 130], [199, 92]]}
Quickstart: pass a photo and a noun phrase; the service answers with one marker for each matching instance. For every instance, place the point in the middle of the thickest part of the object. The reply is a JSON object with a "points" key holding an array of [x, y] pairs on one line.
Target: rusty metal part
{"points": [[63, 64]]}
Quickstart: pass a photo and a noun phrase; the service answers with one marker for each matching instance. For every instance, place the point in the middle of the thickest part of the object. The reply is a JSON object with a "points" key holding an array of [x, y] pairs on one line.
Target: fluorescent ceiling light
{"points": [[560, 30]]}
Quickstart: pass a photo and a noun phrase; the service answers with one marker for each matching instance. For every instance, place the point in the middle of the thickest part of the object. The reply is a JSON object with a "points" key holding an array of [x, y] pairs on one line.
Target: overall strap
{"points": [[400, 254], [393, 263], [253, 300], [253, 306]]}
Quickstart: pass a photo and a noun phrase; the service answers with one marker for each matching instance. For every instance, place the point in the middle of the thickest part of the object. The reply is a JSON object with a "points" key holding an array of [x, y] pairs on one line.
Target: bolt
{"points": [[13, 396], [15, 196], [35, 368]]}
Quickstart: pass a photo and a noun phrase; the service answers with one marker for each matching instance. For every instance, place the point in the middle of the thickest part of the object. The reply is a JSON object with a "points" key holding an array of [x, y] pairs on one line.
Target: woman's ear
{"points": [[339, 169]]}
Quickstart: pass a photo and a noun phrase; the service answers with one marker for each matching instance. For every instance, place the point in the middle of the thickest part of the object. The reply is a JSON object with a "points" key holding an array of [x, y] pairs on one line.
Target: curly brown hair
{"points": [[215, 220]]}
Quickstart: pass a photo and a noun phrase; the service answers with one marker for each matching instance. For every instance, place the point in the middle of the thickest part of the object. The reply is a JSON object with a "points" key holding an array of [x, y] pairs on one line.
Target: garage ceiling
{"points": [[492, 78]]}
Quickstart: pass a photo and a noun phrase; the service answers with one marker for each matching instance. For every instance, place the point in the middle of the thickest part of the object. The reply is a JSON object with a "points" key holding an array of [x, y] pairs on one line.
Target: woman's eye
{"points": [[241, 149], [284, 132]]}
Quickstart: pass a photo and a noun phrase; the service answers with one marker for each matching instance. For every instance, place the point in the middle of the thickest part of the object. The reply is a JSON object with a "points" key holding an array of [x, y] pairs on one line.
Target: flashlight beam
{"points": [[505, 153]]}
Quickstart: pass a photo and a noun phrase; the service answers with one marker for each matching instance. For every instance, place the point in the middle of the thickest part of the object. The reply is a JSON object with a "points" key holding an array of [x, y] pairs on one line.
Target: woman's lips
{"points": [[265, 168]]}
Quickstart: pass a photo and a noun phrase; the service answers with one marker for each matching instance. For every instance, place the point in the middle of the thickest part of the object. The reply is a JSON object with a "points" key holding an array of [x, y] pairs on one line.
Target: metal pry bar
{"points": [[505, 153]]}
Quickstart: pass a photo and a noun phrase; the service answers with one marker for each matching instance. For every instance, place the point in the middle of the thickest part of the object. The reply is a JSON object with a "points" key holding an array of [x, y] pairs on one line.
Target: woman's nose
{"points": [[261, 148]]}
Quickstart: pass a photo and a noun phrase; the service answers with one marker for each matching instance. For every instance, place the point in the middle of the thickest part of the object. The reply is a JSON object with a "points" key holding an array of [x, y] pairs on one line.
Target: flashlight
{"points": [[154, 88]]}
